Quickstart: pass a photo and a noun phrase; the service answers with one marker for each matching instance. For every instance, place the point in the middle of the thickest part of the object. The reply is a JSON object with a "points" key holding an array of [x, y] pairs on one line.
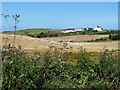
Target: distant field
{"points": [[42, 32], [77, 38], [28, 31]]}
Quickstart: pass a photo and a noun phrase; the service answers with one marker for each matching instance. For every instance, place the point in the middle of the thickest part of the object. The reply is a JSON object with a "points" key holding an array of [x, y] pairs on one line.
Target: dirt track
{"points": [[30, 43]]}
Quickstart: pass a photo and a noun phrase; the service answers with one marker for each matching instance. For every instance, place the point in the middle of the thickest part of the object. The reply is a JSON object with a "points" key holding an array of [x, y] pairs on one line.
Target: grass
{"points": [[28, 31]]}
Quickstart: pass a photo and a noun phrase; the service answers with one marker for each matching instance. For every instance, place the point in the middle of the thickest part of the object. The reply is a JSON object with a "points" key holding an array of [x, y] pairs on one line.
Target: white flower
{"points": [[21, 75], [11, 62]]}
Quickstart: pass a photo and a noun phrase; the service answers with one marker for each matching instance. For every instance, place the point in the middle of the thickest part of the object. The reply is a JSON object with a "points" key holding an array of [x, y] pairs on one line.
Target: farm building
{"points": [[68, 31], [73, 30], [98, 28], [79, 29]]}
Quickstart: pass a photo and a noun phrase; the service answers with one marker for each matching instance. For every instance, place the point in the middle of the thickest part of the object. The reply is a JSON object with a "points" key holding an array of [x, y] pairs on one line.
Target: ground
{"points": [[73, 43]]}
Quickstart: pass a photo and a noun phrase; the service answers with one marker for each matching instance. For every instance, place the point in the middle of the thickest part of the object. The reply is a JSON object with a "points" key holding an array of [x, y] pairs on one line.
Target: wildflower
{"points": [[21, 75], [11, 62]]}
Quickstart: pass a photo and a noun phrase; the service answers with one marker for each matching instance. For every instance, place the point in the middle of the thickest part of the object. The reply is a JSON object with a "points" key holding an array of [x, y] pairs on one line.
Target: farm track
{"points": [[43, 44]]}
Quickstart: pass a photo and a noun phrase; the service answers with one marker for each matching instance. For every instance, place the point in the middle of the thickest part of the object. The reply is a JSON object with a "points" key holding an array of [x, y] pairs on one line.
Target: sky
{"points": [[60, 0], [61, 15]]}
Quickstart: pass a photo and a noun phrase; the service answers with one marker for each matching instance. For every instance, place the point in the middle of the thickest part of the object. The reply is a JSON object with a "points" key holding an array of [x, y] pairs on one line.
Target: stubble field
{"points": [[73, 43]]}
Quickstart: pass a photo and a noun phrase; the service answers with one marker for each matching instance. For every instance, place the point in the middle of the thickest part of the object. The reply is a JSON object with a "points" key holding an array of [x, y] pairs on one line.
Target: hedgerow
{"points": [[20, 71]]}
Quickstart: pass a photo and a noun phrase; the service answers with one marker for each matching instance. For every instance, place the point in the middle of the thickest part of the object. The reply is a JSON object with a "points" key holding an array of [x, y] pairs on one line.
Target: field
{"points": [[55, 70], [61, 45], [54, 62], [28, 31], [73, 42]]}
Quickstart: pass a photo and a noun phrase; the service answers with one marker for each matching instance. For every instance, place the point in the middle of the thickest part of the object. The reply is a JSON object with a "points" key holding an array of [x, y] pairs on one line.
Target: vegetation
{"points": [[53, 70], [99, 40], [114, 37], [49, 34], [28, 31], [21, 71], [41, 32], [111, 37]]}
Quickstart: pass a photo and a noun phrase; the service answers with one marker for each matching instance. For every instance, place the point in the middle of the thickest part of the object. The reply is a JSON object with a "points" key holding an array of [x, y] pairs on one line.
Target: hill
{"points": [[28, 31]]}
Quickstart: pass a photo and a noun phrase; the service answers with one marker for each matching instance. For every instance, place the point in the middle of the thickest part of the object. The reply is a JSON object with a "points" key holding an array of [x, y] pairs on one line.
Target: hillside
{"points": [[28, 31], [42, 32]]}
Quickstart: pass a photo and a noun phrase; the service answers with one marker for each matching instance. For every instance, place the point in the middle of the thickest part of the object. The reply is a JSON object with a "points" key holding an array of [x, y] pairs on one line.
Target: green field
{"points": [[28, 31]]}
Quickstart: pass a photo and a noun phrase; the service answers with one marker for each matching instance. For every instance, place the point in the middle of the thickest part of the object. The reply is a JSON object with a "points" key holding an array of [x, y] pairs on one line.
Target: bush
{"points": [[114, 37], [21, 71], [98, 40]]}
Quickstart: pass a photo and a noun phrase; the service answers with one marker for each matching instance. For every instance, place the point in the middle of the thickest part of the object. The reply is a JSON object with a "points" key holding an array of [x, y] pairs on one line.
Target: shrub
{"points": [[21, 71], [114, 37]]}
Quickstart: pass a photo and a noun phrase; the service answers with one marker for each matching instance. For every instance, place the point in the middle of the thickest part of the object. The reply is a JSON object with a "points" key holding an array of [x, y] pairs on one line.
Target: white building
{"points": [[79, 29], [73, 30], [68, 31], [98, 28]]}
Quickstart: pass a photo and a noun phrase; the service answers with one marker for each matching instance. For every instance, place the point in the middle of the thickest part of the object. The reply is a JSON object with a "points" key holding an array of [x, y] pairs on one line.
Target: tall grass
{"points": [[21, 71]]}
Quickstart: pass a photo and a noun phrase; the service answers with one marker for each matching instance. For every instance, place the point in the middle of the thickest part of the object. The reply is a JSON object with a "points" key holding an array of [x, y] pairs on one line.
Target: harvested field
{"points": [[43, 44], [77, 38]]}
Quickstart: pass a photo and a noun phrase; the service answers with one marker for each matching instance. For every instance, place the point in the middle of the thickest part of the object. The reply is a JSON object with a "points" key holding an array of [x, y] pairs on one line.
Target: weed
{"points": [[53, 70]]}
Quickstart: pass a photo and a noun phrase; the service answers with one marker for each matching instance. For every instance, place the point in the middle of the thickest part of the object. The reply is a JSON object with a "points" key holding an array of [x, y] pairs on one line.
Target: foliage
{"points": [[49, 34], [99, 40], [21, 71], [111, 37], [114, 37]]}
